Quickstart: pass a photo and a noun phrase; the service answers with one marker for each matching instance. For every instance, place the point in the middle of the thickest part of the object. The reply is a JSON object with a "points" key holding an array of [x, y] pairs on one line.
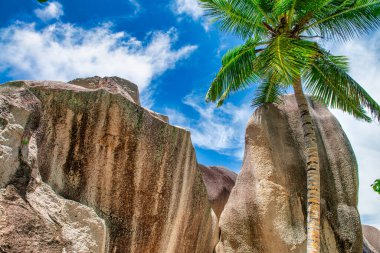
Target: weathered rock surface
{"points": [[219, 182], [45, 222], [32, 217], [266, 210], [94, 144], [114, 85], [371, 238]]}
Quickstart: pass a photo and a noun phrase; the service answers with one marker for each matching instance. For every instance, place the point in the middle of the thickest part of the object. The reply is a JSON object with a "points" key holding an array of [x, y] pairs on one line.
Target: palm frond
{"points": [[267, 92], [328, 81], [281, 6], [286, 57], [344, 20], [236, 73], [302, 12], [315, 6], [243, 18]]}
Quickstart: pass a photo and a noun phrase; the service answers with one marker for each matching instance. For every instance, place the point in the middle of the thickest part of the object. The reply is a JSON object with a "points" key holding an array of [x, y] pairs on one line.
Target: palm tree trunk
{"points": [[313, 172]]}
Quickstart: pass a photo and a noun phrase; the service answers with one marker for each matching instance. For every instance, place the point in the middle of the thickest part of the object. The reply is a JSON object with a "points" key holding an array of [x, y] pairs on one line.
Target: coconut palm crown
{"points": [[282, 49], [281, 46]]}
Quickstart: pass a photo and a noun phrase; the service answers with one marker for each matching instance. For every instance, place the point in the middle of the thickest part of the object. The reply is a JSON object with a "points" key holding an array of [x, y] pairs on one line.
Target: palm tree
{"points": [[282, 49]]}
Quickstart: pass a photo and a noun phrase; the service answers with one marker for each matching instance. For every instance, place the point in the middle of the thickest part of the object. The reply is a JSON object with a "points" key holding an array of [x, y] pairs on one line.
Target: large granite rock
{"points": [[94, 145], [371, 238], [41, 221], [219, 182], [33, 218], [114, 85], [266, 210]]}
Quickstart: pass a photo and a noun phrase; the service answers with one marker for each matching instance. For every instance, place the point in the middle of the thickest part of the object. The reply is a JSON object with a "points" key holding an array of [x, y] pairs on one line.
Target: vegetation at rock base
{"points": [[376, 186], [282, 50]]}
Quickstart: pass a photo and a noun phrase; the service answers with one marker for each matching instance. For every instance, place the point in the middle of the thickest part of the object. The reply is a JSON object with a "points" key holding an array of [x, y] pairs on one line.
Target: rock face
{"points": [[41, 221], [371, 238], [266, 210], [114, 85], [94, 145], [219, 182], [84, 168]]}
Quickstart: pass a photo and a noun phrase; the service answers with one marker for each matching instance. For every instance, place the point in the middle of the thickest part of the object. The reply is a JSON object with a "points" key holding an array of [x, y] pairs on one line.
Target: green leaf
{"points": [[327, 80], [236, 73], [42, 1], [286, 57], [376, 186], [267, 92], [344, 20], [243, 18], [282, 6]]}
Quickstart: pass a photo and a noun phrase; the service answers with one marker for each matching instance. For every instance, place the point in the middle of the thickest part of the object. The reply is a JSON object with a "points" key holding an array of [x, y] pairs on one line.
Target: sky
{"points": [[172, 52]]}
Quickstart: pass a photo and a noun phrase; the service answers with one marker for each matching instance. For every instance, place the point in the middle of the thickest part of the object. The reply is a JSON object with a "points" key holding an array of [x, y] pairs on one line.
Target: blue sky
{"points": [[172, 52]]}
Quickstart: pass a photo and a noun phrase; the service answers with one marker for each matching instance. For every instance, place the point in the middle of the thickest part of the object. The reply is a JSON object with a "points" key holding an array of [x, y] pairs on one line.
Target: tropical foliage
{"points": [[376, 186], [282, 45]]}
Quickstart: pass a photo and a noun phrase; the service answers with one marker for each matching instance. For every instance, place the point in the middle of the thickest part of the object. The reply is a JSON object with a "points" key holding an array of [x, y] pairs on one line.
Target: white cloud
{"points": [[364, 57], [193, 9], [147, 96], [64, 51], [219, 129], [136, 5], [188, 7], [52, 10]]}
